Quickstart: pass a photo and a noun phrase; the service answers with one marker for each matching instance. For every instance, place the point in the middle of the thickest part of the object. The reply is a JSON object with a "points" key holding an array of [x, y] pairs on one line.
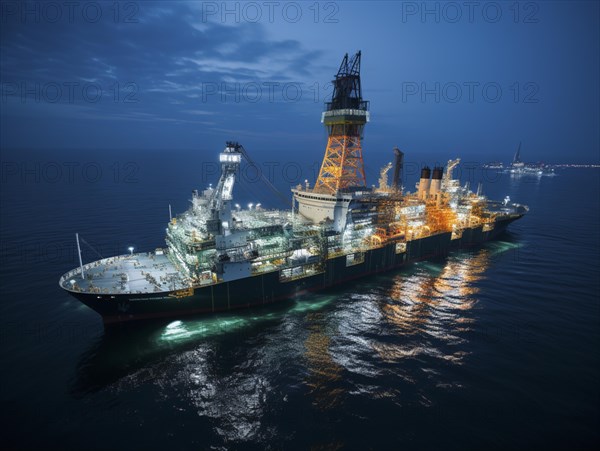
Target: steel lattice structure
{"points": [[344, 117]]}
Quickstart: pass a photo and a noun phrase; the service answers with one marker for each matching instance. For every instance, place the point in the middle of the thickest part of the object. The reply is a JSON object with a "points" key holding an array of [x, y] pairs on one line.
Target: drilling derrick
{"points": [[345, 117]]}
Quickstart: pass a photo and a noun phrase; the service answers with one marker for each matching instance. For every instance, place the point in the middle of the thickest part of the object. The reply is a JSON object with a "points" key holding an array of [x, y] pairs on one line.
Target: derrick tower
{"points": [[345, 117]]}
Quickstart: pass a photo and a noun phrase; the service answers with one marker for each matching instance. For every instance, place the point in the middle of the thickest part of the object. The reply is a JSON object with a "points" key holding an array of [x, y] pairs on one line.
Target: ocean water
{"points": [[491, 348]]}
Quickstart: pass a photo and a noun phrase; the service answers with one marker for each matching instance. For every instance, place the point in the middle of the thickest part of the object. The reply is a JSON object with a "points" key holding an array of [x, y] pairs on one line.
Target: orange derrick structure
{"points": [[344, 117]]}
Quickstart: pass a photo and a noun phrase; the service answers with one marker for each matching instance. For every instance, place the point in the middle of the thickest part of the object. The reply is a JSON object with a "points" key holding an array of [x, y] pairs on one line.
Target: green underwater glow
{"points": [[186, 330]]}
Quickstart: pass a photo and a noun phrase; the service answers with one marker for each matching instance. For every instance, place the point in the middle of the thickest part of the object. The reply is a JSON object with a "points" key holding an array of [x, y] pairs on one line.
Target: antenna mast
{"points": [[79, 252]]}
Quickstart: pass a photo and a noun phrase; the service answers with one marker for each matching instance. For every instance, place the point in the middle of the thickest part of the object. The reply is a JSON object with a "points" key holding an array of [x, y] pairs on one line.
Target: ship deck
{"points": [[125, 274]]}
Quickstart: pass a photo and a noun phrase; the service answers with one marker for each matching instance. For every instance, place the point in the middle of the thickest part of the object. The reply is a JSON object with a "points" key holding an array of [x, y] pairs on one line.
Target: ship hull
{"points": [[267, 288]]}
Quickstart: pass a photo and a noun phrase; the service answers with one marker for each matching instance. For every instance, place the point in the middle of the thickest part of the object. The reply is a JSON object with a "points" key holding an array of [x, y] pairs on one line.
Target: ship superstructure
{"points": [[219, 256]]}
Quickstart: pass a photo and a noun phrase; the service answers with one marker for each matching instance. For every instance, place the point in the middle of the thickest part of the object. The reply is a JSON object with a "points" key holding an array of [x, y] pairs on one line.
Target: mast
{"points": [[79, 252], [517, 158]]}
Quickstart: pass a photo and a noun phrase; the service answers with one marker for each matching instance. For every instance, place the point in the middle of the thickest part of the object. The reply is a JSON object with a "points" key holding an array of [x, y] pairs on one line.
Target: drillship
{"points": [[221, 257]]}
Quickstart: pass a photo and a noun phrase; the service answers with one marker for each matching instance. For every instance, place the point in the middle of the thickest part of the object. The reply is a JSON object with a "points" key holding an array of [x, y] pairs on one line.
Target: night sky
{"points": [[466, 78]]}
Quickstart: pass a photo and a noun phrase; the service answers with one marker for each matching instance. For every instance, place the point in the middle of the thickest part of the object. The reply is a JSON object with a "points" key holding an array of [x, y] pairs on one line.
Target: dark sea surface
{"points": [[492, 348]]}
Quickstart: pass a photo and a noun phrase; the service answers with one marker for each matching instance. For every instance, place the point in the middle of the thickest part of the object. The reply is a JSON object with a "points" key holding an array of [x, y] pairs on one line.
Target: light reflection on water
{"points": [[385, 338], [236, 400], [323, 370], [429, 309]]}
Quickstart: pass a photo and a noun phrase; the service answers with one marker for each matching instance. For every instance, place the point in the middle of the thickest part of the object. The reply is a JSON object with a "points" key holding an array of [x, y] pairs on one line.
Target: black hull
{"points": [[267, 288]]}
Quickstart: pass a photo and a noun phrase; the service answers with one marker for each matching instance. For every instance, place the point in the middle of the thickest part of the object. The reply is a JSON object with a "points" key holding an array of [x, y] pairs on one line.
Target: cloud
{"points": [[162, 61]]}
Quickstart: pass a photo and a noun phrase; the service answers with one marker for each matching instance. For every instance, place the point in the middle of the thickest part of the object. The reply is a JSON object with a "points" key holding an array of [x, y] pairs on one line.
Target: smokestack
{"points": [[436, 182], [424, 183], [398, 166]]}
